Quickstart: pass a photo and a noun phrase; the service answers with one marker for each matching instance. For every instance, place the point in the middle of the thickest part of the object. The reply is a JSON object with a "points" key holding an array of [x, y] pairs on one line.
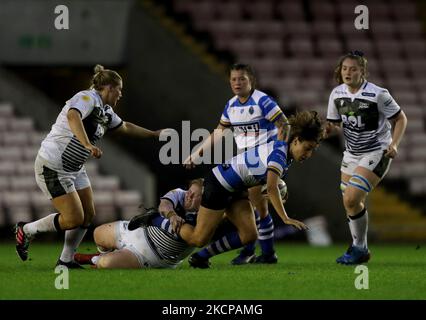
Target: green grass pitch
{"points": [[303, 272]]}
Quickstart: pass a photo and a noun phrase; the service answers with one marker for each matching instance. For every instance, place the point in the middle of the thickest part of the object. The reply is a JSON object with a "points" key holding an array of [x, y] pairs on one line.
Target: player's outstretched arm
{"points": [[215, 136], [275, 199], [133, 130]]}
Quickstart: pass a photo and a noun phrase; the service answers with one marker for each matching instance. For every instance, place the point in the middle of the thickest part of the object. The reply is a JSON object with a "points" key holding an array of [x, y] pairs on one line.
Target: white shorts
{"points": [[374, 161], [136, 242], [55, 183]]}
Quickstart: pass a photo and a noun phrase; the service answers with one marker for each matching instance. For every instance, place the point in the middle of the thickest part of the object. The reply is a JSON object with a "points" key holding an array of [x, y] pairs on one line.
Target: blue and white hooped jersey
{"points": [[250, 168], [252, 121]]}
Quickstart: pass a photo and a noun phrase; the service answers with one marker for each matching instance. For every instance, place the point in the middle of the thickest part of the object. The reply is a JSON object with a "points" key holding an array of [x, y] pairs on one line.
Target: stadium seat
{"points": [[14, 138], [105, 183], [17, 204], [6, 110], [323, 11], [11, 153], [330, 47], [4, 183], [21, 124], [291, 11], [24, 183], [388, 49], [41, 205], [271, 48], [106, 210], [414, 48], [7, 167], [260, 10], [382, 30], [128, 202], [324, 29]]}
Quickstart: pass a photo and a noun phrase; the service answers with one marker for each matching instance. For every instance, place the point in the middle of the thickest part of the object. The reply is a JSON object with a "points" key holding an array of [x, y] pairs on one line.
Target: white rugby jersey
{"points": [[365, 116], [252, 121], [61, 147], [250, 168], [164, 243]]}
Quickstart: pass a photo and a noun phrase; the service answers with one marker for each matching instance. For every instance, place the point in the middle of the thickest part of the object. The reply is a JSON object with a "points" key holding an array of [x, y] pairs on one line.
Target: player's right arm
{"points": [[334, 121], [77, 128], [166, 209], [214, 137], [275, 198]]}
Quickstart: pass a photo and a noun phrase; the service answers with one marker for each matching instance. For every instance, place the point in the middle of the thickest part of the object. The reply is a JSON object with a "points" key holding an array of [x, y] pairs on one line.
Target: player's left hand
{"points": [[176, 222], [391, 151], [296, 223]]}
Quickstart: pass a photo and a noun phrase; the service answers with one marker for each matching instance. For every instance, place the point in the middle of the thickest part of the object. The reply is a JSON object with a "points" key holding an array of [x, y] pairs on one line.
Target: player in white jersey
{"points": [[255, 119], [59, 166], [149, 247], [225, 188], [365, 111]]}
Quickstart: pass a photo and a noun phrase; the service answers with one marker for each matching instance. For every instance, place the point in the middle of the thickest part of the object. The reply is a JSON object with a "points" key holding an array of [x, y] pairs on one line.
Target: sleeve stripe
{"points": [[279, 112], [274, 169], [81, 115], [394, 115], [334, 120], [165, 198]]}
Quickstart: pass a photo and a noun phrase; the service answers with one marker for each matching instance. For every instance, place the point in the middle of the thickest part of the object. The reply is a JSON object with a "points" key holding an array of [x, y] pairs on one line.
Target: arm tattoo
{"points": [[283, 124]]}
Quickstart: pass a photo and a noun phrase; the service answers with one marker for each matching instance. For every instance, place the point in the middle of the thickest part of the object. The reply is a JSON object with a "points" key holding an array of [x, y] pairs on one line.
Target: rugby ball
{"points": [[282, 186]]}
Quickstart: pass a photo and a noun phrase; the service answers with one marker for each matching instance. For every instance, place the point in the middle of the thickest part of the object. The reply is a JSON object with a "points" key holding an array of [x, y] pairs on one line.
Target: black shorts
{"points": [[216, 197]]}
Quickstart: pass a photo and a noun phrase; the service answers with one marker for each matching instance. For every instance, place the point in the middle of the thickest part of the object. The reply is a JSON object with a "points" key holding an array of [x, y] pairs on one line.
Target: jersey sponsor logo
{"points": [[353, 120], [340, 92], [252, 127], [368, 94], [85, 98], [363, 105]]}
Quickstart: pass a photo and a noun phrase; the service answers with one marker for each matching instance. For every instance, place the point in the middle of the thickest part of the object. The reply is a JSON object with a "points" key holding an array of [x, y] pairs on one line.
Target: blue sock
{"points": [[228, 242], [266, 235], [251, 247]]}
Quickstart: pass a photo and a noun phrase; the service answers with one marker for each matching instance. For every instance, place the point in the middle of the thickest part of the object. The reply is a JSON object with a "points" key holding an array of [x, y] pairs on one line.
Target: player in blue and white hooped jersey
{"points": [[150, 246], [255, 119], [225, 188], [365, 111], [59, 166]]}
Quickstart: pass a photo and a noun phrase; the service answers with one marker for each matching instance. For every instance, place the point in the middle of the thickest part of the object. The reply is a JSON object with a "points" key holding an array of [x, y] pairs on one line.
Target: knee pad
{"points": [[360, 182]]}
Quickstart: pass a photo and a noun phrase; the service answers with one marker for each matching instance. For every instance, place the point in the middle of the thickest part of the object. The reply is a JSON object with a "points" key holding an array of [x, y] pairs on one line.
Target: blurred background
{"points": [[174, 58]]}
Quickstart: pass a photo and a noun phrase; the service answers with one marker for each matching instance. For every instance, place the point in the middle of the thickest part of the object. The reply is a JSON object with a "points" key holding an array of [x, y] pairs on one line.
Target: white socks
{"points": [[46, 224], [73, 238], [358, 225]]}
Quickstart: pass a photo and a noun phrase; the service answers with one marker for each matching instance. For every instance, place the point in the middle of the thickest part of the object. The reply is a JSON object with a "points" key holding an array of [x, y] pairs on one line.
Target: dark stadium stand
{"points": [[293, 45]]}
